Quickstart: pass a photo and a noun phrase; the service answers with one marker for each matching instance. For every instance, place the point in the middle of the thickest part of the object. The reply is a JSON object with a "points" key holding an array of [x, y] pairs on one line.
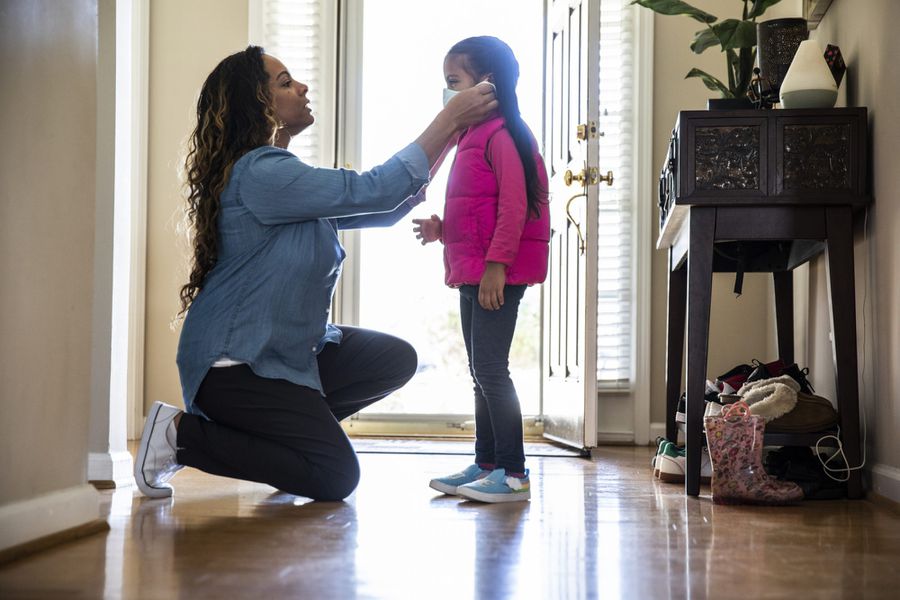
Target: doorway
{"points": [[400, 283]]}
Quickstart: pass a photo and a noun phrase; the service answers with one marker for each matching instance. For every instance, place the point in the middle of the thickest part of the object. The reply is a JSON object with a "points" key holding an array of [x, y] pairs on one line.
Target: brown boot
{"points": [[735, 441]]}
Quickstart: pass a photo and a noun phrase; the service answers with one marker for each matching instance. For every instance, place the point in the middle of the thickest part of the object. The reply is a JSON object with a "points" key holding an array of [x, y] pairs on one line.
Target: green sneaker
{"points": [[662, 448]]}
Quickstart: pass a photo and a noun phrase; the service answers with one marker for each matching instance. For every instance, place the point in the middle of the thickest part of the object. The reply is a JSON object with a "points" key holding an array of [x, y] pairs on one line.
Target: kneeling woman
{"points": [[265, 378]]}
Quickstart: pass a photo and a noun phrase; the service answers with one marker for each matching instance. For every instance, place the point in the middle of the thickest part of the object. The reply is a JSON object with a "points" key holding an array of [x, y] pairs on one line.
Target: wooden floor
{"points": [[599, 528]]}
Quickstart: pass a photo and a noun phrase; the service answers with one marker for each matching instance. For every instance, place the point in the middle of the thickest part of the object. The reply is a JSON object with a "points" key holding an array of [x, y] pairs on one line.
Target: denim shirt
{"points": [[266, 301]]}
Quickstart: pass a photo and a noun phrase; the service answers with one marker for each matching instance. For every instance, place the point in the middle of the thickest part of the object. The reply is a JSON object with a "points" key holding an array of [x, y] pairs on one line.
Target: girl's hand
{"points": [[428, 230], [490, 291]]}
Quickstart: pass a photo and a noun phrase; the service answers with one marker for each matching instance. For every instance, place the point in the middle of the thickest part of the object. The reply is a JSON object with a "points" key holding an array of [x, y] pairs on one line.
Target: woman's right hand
{"points": [[466, 108], [428, 230], [473, 105]]}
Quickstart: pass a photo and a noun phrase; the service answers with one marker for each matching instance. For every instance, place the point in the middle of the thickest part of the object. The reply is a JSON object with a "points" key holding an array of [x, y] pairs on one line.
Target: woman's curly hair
{"points": [[234, 116]]}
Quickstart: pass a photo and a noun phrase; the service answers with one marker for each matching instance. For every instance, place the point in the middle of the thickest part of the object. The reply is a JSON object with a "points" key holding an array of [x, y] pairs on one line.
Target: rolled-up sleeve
{"points": [[277, 187]]}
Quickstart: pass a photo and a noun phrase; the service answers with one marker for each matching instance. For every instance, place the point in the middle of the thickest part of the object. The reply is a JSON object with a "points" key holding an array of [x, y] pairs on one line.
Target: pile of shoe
{"points": [[779, 392], [669, 462], [800, 465]]}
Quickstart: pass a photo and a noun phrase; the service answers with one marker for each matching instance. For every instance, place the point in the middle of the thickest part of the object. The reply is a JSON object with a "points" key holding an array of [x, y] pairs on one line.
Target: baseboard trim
{"points": [[886, 481], [54, 514], [110, 469], [615, 437], [49, 541]]}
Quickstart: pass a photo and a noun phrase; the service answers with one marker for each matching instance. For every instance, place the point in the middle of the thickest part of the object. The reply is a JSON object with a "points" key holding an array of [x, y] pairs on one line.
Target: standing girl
{"points": [[496, 233]]}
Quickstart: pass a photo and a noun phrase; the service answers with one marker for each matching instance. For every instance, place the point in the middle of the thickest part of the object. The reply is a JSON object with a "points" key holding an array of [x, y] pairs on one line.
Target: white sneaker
{"points": [[671, 468], [156, 463]]}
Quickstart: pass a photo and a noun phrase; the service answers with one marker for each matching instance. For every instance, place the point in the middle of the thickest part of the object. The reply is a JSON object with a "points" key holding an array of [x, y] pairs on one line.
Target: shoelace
{"points": [[804, 381]]}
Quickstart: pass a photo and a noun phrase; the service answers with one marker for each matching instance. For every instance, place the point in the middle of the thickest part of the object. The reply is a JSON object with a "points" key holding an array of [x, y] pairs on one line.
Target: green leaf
{"points": [[760, 6], [734, 33], [710, 82], [703, 39], [676, 7]]}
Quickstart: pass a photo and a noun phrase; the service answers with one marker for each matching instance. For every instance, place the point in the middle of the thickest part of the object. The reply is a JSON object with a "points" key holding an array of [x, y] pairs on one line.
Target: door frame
{"points": [[348, 119]]}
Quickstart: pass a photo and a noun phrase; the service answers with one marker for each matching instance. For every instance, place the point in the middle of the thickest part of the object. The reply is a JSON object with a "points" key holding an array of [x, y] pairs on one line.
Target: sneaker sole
{"points": [[470, 494], [146, 488], [442, 487], [671, 472]]}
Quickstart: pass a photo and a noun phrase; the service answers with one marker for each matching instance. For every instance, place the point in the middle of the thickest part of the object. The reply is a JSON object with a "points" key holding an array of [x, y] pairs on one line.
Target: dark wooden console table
{"points": [[761, 191]]}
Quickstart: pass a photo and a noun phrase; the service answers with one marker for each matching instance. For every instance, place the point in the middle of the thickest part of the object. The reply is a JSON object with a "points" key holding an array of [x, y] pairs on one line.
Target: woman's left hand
{"points": [[490, 290]]}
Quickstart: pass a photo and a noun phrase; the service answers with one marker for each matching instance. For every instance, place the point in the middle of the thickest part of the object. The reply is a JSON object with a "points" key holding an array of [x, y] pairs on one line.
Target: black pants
{"points": [[286, 435]]}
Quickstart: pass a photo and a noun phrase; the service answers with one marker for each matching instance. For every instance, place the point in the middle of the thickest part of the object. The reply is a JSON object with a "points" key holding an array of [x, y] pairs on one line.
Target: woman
{"points": [[265, 378]]}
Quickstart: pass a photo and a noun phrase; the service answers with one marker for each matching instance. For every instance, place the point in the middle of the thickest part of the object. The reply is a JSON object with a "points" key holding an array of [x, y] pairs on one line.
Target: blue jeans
{"points": [[498, 417]]}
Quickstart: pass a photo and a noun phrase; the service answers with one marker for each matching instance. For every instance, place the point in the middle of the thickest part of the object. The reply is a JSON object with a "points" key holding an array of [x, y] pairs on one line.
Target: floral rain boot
{"points": [[735, 441]]}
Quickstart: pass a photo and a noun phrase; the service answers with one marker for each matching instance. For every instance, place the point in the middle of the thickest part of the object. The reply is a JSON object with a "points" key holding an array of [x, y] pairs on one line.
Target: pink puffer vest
{"points": [[470, 217]]}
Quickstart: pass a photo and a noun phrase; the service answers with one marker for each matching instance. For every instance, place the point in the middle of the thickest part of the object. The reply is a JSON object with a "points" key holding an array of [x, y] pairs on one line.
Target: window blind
{"points": [[298, 33], [615, 327]]}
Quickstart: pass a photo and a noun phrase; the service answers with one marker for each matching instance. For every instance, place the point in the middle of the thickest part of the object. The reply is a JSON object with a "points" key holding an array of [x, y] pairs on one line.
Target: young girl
{"points": [[495, 232]]}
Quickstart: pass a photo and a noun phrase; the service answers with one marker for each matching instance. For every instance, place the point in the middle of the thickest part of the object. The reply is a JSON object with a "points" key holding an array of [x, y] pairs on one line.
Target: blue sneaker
{"points": [[449, 483], [497, 487]]}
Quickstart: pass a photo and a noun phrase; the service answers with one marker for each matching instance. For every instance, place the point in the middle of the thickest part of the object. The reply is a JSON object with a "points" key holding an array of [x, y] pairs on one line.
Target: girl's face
{"points": [[289, 97], [456, 75]]}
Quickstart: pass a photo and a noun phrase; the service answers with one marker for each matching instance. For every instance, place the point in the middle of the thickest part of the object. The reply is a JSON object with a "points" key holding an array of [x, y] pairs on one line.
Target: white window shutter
{"points": [[302, 34], [615, 330]]}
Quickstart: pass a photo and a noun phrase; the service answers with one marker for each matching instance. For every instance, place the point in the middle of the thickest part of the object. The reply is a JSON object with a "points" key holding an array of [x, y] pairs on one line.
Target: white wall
{"points": [[187, 40], [867, 40], [47, 223]]}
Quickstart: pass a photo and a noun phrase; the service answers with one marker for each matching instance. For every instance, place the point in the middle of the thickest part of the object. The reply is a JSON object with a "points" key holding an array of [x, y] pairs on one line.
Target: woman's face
{"points": [[455, 74], [289, 97]]}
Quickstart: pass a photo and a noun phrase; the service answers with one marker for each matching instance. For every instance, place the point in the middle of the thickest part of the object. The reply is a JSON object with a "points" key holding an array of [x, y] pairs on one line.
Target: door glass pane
{"points": [[402, 287]]}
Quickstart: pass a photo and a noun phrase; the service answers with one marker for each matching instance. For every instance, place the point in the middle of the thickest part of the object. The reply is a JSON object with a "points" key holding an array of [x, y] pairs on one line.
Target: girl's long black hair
{"points": [[487, 55]]}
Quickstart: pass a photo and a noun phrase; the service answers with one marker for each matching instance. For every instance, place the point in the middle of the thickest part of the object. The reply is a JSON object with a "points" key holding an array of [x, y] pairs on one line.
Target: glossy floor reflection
{"points": [[593, 529]]}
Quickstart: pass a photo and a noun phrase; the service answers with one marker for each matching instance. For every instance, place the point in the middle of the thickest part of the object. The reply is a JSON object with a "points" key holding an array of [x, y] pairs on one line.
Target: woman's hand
{"points": [[466, 108], [473, 105], [490, 290], [428, 230]]}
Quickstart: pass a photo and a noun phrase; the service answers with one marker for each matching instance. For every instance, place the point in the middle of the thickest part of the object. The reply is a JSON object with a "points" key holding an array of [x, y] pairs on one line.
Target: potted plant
{"points": [[735, 37]]}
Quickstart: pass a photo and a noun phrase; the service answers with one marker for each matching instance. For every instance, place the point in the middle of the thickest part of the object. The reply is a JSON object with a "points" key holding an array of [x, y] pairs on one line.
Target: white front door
{"points": [[572, 150]]}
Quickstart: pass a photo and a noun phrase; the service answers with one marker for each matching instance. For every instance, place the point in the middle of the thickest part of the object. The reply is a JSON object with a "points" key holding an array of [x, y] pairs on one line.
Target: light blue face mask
{"points": [[448, 93]]}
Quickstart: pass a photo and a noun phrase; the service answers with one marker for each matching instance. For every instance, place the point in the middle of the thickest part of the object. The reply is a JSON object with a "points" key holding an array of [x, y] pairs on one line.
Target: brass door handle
{"points": [[587, 177], [569, 177]]}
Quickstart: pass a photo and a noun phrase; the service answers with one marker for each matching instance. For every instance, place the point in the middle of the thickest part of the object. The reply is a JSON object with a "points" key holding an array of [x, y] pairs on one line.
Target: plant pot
{"points": [[809, 82], [728, 104]]}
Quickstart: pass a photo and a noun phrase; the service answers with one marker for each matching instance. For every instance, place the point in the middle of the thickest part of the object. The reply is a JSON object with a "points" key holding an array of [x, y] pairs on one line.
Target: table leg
{"points": [[676, 300], [839, 225], [784, 314], [699, 292]]}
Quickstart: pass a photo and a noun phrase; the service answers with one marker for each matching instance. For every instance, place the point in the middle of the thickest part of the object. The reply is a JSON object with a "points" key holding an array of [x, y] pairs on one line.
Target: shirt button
{"points": [[313, 348]]}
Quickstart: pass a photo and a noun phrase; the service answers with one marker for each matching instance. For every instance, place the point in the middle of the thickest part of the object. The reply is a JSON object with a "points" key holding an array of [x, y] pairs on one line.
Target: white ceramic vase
{"points": [[808, 82]]}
